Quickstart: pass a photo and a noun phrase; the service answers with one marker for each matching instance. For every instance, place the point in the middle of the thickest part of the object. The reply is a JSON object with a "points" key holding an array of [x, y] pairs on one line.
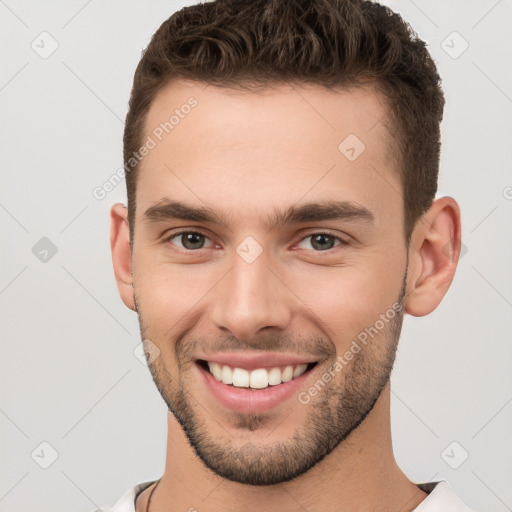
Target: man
{"points": [[281, 166]]}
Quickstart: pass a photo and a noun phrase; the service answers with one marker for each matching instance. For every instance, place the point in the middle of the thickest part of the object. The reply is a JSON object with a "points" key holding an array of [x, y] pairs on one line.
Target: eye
{"points": [[323, 241], [194, 240], [190, 240]]}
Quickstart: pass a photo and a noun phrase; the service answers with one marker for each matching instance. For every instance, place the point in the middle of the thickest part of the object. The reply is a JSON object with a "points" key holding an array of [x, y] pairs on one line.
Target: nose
{"points": [[251, 298]]}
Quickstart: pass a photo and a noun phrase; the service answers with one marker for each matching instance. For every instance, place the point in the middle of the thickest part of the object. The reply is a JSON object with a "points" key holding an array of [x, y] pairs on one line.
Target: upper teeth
{"points": [[257, 379]]}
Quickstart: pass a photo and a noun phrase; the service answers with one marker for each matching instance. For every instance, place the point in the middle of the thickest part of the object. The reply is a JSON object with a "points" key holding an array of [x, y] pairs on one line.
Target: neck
{"points": [[363, 469]]}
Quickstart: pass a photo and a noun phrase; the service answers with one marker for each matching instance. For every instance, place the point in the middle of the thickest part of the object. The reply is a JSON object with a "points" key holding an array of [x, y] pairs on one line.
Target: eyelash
{"points": [[179, 233]]}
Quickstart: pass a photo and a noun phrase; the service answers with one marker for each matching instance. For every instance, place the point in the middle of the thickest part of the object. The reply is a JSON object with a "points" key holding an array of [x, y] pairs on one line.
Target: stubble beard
{"points": [[337, 411]]}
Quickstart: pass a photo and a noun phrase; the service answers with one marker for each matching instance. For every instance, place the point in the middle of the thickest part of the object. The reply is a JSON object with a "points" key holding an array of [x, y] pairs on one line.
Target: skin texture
{"points": [[245, 155]]}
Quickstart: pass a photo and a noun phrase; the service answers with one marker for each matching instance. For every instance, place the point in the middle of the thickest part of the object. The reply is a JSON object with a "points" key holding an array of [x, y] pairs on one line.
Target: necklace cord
{"points": [[151, 495]]}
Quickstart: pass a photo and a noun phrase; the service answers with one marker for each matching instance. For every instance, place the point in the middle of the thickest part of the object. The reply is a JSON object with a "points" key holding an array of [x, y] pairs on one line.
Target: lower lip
{"points": [[247, 400]]}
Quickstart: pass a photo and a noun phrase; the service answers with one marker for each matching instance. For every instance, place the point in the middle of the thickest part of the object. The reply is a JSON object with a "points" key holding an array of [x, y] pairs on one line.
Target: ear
{"points": [[433, 256], [122, 253]]}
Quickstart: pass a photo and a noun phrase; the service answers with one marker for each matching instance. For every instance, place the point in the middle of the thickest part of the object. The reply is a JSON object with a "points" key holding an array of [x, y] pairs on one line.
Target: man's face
{"points": [[306, 288]]}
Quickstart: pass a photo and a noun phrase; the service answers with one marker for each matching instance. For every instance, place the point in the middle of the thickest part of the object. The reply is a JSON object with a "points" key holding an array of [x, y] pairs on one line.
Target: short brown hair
{"points": [[333, 43]]}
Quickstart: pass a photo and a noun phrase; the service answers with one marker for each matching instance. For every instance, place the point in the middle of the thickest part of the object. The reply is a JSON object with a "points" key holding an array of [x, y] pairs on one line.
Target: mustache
{"points": [[315, 348]]}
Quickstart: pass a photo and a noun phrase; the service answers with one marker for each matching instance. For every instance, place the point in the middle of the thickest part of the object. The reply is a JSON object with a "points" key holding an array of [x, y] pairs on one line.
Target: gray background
{"points": [[69, 374]]}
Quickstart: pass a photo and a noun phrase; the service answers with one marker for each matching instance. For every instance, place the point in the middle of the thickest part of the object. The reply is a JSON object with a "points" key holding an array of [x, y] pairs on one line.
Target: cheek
{"points": [[162, 285], [173, 298], [346, 300], [342, 301]]}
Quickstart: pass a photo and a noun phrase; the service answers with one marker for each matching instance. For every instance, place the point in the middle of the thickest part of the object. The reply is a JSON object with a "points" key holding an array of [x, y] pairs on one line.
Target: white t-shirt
{"points": [[440, 499]]}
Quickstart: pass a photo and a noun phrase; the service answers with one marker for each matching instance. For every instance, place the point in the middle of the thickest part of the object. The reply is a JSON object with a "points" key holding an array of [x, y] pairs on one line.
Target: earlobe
{"points": [[434, 253], [121, 253]]}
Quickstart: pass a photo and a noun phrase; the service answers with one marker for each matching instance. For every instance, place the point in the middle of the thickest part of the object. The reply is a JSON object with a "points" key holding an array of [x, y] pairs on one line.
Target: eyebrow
{"points": [[167, 209]]}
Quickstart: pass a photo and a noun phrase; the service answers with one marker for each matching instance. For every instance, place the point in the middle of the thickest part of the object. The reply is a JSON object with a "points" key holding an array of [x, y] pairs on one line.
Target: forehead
{"points": [[273, 146], [268, 110]]}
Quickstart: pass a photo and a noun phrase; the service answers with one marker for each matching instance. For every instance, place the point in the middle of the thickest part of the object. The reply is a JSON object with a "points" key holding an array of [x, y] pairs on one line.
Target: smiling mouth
{"points": [[259, 378]]}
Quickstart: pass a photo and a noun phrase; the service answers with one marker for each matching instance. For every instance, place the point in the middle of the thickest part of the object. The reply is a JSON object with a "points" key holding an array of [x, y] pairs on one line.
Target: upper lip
{"points": [[250, 361]]}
